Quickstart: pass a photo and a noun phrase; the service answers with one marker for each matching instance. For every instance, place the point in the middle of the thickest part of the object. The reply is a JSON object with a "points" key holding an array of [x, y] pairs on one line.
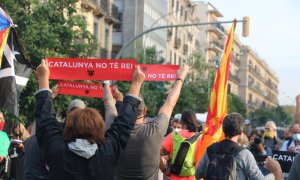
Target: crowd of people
{"points": [[125, 144]]}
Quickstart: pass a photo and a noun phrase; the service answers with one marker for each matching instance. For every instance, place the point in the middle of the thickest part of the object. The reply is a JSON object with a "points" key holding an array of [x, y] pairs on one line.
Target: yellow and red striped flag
{"points": [[217, 108]]}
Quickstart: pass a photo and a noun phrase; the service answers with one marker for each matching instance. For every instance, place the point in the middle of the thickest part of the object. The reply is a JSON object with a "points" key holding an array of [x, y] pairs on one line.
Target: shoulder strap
{"points": [[193, 138], [289, 143], [225, 147]]}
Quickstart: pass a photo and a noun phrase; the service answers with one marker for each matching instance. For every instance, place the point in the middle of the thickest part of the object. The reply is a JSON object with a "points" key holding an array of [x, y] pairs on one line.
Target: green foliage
{"points": [[48, 29], [235, 104], [278, 114]]}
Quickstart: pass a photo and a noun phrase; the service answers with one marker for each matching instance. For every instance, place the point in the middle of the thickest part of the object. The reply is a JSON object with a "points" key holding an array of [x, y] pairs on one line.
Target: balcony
{"points": [[271, 86], [215, 46], [177, 43], [88, 4], [112, 17], [185, 49], [256, 74], [93, 5], [235, 61], [216, 29], [256, 89], [234, 78]]}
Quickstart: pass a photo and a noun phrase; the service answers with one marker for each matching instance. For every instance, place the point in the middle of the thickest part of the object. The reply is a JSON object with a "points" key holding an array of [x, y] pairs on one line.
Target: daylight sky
{"points": [[274, 36]]}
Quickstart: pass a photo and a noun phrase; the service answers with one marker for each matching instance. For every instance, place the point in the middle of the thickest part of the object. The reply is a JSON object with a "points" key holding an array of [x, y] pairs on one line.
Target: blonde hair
{"points": [[22, 129]]}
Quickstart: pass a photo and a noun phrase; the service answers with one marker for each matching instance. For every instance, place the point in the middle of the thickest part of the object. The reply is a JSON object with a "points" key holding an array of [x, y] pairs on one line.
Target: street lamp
{"points": [[120, 53]]}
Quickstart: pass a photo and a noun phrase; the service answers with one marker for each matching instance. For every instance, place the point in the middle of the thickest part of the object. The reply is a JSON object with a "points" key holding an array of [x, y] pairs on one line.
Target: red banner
{"points": [[91, 69], [159, 72], [81, 89]]}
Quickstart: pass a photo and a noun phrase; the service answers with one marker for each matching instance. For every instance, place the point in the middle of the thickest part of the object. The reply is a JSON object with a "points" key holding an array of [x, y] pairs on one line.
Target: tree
{"points": [[277, 114], [235, 104], [48, 29]]}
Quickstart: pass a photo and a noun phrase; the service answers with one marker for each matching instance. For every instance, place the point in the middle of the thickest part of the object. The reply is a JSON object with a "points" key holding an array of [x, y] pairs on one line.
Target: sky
{"points": [[274, 36]]}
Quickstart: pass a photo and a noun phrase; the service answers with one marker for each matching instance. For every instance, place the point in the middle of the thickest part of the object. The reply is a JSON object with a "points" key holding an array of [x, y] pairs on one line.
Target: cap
{"points": [[76, 103]]}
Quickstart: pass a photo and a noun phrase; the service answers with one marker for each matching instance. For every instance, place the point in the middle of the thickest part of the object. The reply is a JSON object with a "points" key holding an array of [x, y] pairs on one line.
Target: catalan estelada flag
{"points": [[5, 23], [217, 109]]}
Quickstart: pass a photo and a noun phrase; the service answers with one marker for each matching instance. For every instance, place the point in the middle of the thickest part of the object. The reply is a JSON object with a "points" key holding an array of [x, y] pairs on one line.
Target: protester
{"points": [[81, 151], [4, 145], [287, 133], [271, 141], [246, 166], [243, 140], [35, 167], [140, 159], [184, 169], [176, 126], [19, 135], [295, 169], [255, 144], [293, 145]]}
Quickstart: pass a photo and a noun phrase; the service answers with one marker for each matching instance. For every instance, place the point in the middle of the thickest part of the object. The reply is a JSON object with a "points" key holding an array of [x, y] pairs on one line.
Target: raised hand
{"points": [[183, 71], [43, 73], [137, 81]]}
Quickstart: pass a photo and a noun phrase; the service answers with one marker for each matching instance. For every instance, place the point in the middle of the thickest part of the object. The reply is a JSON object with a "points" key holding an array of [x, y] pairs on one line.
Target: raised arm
{"points": [[109, 105], [118, 134], [48, 133], [173, 96]]}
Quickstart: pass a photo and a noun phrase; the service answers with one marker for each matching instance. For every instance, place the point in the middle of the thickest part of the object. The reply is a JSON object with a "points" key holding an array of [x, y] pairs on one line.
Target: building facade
{"points": [[182, 41], [100, 15], [211, 37], [259, 84], [135, 17], [235, 64]]}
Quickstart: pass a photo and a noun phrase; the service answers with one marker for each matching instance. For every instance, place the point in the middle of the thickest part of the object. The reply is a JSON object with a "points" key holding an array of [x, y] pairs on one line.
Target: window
{"points": [[250, 98], [106, 38], [171, 57], [185, 15], [181, 11], [175, 58], [229, 88], [172, 3], [96, 31]]}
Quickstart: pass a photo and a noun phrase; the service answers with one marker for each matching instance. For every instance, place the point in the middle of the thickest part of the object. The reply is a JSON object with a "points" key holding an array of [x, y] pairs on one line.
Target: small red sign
{"points": [[159, 72], [81, 89]]}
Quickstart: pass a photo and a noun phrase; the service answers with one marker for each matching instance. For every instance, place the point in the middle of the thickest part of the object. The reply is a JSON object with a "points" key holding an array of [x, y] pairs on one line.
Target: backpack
{"points": [[222, 164], [183, 156]]}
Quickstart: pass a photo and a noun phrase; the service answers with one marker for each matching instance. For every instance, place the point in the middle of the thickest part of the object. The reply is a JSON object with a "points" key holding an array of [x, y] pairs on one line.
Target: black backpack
{"points": [[222, 164]]}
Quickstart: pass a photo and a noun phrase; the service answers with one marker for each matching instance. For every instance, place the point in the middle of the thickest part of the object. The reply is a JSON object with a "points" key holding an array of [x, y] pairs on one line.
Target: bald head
{"points": [[296, 128]]}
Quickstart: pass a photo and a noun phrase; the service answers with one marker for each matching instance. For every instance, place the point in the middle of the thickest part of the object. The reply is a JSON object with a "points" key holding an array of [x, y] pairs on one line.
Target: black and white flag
{"points": [[14, 73]]}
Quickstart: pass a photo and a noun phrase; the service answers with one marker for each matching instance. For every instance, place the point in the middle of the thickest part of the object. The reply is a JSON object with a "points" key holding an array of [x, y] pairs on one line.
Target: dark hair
{"points": [[175, 120], [188, 118], [141, 107], [233, 124], [84, 123]]}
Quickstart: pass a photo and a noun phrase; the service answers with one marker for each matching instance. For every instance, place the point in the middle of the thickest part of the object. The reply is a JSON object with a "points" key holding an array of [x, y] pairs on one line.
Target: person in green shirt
{"points": [[4, 140]]}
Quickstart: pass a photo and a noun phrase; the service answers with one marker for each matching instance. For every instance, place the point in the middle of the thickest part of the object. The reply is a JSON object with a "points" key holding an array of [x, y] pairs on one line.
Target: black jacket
{"points": [[34, 165], [63, 163]]}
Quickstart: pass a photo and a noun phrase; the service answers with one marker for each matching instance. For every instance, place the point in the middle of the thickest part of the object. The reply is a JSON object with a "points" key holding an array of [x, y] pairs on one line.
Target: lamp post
{"points": [[157, 20], [120, 53]]}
